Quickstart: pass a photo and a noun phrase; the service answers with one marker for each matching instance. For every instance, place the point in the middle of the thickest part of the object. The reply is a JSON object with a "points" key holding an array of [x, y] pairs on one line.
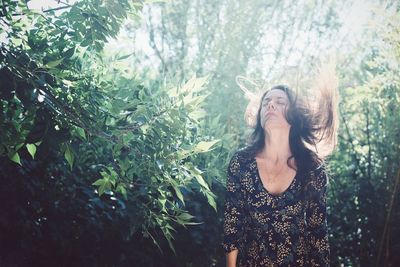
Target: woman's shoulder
{"points": [[240, 161], [320, 173], [242, 155]]}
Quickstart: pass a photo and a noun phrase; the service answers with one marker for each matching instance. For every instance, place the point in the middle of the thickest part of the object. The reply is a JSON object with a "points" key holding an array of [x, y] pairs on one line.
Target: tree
{"points": [[366, 166], [70, 113]]}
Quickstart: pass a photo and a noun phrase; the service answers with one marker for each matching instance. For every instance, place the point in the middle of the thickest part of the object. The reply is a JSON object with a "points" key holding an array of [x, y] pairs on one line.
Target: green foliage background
{"points": [[118, 119]]}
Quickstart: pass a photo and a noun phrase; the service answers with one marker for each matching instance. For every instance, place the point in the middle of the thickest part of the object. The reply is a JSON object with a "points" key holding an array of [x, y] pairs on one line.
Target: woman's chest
{"points": [[260, 202]]}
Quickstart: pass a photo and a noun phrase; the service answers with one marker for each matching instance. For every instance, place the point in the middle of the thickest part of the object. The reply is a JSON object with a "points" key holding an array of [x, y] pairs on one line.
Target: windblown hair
{"points": [[313, 121]]}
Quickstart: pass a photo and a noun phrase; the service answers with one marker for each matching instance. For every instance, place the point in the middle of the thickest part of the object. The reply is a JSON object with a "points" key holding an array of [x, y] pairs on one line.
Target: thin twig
{"points": [[56, 8], [385, 229], [357, 160]]}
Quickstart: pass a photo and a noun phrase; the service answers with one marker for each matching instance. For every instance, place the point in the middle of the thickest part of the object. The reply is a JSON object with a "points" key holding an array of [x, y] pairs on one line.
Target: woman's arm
{"points": [[231, 258], [234, 213], [317, 228]]}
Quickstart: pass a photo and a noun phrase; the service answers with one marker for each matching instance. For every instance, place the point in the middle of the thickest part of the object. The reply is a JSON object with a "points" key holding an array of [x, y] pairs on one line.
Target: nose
{"points": [[271, 105]]}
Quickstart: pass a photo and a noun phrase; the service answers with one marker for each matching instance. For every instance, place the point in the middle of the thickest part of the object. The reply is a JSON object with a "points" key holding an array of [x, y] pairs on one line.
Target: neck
{"points": [[277, 148]]}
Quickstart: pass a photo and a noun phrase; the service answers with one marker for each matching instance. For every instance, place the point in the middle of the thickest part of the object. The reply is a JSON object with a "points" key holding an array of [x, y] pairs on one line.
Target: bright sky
{"points": [[354, 18], [46, 4]]}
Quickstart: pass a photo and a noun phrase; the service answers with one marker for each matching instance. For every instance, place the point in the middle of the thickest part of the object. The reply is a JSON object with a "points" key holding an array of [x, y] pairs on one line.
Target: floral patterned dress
{"points": [[274, 230]]}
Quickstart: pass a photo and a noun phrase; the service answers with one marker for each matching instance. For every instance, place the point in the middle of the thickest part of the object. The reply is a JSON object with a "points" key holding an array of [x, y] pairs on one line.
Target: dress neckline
{"points": [[265, 189]]}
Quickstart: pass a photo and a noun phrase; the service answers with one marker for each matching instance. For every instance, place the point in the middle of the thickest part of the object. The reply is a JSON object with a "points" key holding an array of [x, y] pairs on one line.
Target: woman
{"points": [[275, 209]]}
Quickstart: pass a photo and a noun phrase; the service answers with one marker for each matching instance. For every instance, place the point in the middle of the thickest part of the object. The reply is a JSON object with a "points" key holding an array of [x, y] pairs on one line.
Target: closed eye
{"points": [[279, 103]]}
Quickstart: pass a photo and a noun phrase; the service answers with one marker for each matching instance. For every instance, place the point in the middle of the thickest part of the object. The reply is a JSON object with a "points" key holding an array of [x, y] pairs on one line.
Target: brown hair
{"points": [[314, 123]]}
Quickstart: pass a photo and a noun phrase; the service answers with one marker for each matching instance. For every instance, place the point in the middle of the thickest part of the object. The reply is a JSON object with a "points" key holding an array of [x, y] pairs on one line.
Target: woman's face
{"points": [[273, 110]]}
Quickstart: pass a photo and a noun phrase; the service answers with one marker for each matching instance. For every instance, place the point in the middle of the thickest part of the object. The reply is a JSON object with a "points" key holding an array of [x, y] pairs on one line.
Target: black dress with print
{"points": [[274, 230]]}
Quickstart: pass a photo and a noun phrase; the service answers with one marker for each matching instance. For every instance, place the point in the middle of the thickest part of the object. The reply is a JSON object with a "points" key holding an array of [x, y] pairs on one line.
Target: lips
{"points": [[270, 113]]}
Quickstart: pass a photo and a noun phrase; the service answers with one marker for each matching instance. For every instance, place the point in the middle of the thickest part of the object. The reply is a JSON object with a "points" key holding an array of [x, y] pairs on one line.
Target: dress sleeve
{"points": [[234, 208], [316, 220]]}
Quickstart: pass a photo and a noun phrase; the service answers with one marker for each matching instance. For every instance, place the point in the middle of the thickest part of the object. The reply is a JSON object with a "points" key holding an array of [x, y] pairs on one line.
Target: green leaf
{"points": [[15, 157], [191, 102], [69, 156], [124, 164], [211, 200], [177, 191], [38, 143], [102, 188], [197, 114], [81, 133], [87, 40], [18, 146], [69, 53], [162, 202], [201, 181], [194, 84], [124, 56], [54, 63], [205, 146], [31, 149], [99, 182], [147, 233], [122, 190], [117, 105], [168, 236], [185, 216], [104, 184]]}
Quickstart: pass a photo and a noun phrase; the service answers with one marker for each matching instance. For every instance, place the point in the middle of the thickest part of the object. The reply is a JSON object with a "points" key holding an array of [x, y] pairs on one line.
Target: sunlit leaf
{"points": [[31, 149], [121, 189], [15, 157], [99, 182], [55, 63], [124, 56], [177, 191], [201, 181], [211, 200], [81, 133], [69, 156], [204, 146], [185, 216]]}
